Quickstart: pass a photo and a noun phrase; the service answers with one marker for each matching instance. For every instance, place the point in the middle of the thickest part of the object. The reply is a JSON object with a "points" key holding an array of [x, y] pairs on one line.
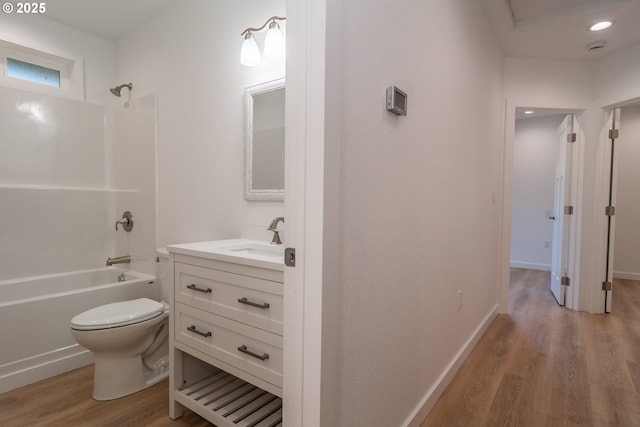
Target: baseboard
{"points": [[626, 275], [42, 366], [530, 266], [429, 400]]}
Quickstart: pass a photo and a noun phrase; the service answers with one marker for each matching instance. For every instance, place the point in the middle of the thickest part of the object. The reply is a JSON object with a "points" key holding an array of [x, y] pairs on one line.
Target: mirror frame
{"points": [[250, 92]]}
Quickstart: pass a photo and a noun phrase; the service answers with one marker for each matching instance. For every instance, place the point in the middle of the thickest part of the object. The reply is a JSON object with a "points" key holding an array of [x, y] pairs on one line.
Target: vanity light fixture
{"points": [[602, 25], [529, 112], [274, 46]]}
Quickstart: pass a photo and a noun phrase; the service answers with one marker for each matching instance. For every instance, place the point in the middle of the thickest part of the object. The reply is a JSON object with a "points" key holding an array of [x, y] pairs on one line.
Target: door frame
{"points": [[312, 153], [610, 160], [577, 177], [599, 299]]}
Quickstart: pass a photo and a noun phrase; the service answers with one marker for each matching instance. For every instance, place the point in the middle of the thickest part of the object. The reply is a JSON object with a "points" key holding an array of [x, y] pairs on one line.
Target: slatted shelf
{"points": [[228, 401]]}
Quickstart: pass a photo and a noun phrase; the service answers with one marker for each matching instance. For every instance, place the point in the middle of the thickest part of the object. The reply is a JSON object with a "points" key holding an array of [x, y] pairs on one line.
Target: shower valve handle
{"points": [[126, 221]]}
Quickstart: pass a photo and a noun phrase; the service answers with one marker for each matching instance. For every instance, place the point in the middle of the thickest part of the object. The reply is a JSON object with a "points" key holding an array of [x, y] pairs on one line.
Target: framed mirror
{"points": [[264, 141]]}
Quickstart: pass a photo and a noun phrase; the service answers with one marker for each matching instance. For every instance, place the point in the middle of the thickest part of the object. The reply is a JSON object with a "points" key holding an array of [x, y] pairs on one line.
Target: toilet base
{"points": [[118, 377]]}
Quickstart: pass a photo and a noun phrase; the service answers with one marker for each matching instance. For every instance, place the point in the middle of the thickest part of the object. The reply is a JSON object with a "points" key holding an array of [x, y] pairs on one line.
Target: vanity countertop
{"points": [[253, 253]]}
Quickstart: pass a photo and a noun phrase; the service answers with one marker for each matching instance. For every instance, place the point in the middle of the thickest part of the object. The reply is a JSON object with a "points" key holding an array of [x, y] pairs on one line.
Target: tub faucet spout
{"points": [[126, 259]]}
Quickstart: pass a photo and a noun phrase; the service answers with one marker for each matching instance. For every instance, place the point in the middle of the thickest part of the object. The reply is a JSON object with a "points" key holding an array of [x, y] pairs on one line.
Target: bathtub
{"points": [[35, 312]]}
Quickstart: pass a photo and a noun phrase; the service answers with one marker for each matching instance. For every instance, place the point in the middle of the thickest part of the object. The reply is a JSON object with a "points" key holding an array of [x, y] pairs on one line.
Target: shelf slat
{"points": [[228, 401], [260, 414], [272, 420]]}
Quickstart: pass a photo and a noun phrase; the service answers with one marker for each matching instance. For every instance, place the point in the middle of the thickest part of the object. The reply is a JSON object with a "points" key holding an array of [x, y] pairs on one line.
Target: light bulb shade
{"points": [[249, 53], [274, 46]]}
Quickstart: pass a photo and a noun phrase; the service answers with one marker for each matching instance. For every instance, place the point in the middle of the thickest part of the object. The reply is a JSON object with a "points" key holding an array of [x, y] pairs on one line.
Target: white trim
{"points": [[626, 275], [433, 394], [530, 265], [310, 288], [42, 366], [304, 147]]}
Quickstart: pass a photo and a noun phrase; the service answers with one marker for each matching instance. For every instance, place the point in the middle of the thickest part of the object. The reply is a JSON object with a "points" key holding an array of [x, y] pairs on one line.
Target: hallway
{"points": [[544, 365]]}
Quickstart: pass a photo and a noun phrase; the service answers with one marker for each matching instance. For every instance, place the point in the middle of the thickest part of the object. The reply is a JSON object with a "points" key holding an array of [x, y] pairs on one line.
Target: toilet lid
{"points": [[118, 314]]}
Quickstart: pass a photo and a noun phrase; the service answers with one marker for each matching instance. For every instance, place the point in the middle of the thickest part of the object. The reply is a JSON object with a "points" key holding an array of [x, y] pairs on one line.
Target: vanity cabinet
{"points": [[226, 339]]}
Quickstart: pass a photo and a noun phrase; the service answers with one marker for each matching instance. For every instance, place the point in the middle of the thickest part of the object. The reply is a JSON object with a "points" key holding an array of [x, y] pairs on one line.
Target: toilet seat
{"points": [[118, 314]]}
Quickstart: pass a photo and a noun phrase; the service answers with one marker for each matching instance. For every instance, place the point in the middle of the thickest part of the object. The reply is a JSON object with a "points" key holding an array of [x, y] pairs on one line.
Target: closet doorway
{"points": [[543, 195]]}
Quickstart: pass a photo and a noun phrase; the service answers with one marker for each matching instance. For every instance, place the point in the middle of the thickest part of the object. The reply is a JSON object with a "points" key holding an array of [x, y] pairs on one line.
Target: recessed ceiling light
{"points": [[602, 25], [529, 112]]}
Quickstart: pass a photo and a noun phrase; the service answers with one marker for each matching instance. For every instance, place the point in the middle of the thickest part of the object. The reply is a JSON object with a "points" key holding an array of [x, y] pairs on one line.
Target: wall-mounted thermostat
{"points": [[396, 101]]}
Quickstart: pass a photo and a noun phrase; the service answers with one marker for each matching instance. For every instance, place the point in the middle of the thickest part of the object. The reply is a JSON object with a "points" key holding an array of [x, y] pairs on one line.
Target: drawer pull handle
{"points": [[263, 306], [243, 349], [194, 287], [193, 329]]}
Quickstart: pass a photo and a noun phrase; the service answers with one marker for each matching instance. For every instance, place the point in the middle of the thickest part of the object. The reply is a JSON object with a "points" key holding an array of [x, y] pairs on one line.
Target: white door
{"points": [[560, 244], [613, 123]]}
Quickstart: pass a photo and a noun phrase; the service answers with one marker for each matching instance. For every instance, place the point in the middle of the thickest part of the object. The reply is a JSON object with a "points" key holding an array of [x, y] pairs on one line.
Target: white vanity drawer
{"points": [[252, 350], [256, 302]]}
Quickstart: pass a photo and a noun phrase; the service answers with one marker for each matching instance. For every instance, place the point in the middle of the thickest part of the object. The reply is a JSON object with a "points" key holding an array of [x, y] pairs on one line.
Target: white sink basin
{"points": [[241, 251], [256, 250]]}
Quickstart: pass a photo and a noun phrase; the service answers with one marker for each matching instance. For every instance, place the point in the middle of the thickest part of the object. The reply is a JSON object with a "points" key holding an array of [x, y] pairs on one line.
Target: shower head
{"points": [[116, 90]]}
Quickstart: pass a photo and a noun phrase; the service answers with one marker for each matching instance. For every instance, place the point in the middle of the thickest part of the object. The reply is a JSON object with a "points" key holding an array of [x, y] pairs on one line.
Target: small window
{"points": [[43, 71], [33, 73]]}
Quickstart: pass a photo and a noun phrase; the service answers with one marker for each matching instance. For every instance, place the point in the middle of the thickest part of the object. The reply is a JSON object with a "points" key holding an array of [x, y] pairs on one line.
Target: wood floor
{"points": [[65, 401], [544, 365], [540, 366]]}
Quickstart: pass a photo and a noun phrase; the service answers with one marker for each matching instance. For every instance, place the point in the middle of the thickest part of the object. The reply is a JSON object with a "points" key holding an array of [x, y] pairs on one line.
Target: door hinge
{"points": [[565, 281], [290, 257], [571, 137], [610, 210], [613, 133], [568, 210], [606, 286]]}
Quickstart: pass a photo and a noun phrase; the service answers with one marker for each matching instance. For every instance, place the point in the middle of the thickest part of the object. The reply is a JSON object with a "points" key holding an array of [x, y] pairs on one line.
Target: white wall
{"points": [[419, 196], [44, 34], [627, 232], [617, 76], [534, 161], [189, 55], [550, 83]]}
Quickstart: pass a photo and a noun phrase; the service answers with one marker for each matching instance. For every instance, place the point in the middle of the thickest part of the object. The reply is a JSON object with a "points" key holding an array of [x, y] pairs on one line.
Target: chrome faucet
{"points": [[274, 227], [126, 259], [126, 221]]}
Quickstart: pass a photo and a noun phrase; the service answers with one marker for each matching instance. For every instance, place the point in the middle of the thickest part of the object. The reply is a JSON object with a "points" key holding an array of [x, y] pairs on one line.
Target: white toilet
{"points": [[129, 343]]}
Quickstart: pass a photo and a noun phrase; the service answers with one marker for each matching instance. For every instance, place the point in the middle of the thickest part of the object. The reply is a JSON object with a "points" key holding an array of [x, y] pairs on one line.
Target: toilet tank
{"points": [[163, 273]]}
